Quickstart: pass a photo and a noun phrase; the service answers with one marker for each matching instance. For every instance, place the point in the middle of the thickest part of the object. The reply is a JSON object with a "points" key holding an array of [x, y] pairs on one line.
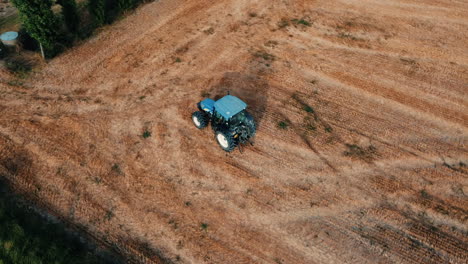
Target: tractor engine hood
{"points": [[207, 105]]}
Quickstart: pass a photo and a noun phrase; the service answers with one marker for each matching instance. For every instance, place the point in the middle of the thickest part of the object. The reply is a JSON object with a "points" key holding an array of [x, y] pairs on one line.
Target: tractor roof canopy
{"points": [[229, 105]]}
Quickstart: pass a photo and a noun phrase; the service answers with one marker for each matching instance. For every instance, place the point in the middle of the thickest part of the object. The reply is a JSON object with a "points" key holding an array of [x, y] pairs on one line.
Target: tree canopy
{"points": [[40, 22]]}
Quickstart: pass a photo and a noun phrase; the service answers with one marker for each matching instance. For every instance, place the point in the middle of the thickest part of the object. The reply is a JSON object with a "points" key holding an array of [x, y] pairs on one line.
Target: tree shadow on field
{"points": [[16, 164], [250, 88], [145, 250]]}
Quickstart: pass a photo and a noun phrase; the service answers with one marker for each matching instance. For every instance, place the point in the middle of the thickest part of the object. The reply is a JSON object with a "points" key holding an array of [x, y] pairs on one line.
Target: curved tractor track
{"points": [[369, 167]]}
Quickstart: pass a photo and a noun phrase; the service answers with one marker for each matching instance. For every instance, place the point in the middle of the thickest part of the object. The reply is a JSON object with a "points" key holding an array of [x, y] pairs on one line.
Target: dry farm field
{"points": [[360, 156]]}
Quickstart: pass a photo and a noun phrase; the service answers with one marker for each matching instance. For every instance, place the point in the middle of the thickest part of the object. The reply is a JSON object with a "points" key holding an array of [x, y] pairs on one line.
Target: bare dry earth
{"points": [[373, 172]]}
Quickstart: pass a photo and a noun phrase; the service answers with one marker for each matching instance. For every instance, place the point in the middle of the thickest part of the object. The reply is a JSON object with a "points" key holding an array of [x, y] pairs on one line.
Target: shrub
{"points": [[356, 151], [112, 12], [64, 40], [70, 14], [109, 214], [271, 43], [283, 124], [301, 22], [97, 10], [146, 134], [308, 108], [18, 65], [264, 55], [311, 127], [116, 168], [209, 31], [125, 4], [346, 35], [425, 194]]}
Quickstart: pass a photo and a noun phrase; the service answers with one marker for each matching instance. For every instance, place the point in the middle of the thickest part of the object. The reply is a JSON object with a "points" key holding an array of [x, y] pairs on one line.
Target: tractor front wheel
{"points": [[226, 141], [200, 120]]}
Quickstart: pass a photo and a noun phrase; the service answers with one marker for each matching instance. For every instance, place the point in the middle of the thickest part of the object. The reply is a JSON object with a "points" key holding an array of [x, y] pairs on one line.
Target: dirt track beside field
{"points": [[372, 167]]}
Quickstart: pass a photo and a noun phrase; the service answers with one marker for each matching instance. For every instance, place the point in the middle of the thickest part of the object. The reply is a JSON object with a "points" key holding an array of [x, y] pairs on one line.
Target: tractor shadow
{"points": [[250, 88]]}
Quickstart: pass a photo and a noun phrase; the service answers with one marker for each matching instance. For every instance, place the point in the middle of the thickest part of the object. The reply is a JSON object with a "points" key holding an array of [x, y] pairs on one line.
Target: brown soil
{"points": [[375, 173]]}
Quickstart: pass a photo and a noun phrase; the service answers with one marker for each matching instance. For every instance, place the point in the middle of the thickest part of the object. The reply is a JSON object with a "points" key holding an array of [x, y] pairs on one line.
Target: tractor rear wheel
{"points": [[225, 140], [200, 119]]}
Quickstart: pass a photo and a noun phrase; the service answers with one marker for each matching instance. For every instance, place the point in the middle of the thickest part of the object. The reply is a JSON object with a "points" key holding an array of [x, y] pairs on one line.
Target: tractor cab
{"points": [[225, 108], [229, 106]]}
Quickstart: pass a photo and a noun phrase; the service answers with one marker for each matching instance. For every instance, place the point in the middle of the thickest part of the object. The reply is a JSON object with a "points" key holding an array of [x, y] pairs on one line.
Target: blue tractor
{"points": [[231, 123]]}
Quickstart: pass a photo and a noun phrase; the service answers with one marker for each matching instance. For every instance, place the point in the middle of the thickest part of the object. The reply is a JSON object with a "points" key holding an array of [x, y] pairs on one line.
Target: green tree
{"points": [[97, 10], [125, 4], [70, 14], [40, 22]]}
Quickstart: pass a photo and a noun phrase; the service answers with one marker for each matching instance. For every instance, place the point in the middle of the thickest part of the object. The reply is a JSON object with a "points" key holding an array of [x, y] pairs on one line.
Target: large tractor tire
{"points": [[200, 119], [225, 140]]}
